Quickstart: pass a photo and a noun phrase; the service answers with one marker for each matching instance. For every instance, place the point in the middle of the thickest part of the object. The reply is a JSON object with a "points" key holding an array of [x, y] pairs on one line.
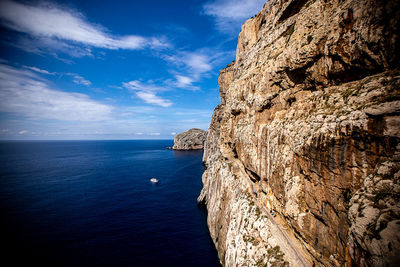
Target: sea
{"points": [[91, 203]]}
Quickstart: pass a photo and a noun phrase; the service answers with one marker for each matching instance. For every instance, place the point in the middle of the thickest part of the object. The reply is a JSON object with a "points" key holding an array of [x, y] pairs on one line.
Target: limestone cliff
{"points": [[191, 139], [308, 126]]}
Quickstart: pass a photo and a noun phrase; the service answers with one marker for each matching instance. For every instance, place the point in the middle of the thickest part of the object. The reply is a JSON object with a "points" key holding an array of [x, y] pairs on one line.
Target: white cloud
{"points": [[23, 132], [154, 133], [147, 92], [151, 98], [63, 28], [183, 81], [195, 63], [40, 70], [198, 62], [75, 77], [173, 133], [54, 47], [139, 86], [79, 79], [229, 15], [186, 82], [23, 92], [193, 66]]}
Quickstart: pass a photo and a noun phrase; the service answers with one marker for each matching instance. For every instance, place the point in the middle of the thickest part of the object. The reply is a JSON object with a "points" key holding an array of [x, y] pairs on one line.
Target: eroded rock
{"points": [[191, 139], [309, 114]]}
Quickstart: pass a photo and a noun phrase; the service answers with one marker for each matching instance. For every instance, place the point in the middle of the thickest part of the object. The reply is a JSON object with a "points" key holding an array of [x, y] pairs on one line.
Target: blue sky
{"points": [[113, 69]]}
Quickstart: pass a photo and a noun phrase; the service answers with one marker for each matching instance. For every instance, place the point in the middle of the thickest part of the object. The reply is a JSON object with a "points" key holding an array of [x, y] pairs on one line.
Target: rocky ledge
{"points": [[308, 128], [191, 139]]}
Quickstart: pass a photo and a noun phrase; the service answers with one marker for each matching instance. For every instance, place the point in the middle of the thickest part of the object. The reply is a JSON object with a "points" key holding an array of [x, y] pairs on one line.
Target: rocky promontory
{"points": [[191, 139], [308, 130]]}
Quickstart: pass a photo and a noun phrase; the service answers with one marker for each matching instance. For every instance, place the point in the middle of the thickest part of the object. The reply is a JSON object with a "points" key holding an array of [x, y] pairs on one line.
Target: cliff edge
{"points": [[191, 139], [309, 129]]}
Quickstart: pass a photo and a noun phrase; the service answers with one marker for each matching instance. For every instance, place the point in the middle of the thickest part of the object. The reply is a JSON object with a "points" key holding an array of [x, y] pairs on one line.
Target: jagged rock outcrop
{"points": [[191, 139], [308, 126]]}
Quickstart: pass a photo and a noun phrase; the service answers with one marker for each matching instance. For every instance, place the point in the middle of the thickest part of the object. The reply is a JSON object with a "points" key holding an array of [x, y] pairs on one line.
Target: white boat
{"points": [[154, 180]]}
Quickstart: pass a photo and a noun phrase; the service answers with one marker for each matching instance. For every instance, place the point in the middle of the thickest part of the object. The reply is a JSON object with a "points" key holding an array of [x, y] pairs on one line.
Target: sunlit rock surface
{"points": [[308, 126], [191, 139]]}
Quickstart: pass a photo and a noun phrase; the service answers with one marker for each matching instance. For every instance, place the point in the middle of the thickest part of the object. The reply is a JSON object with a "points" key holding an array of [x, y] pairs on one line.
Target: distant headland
{"points": [[190, 140]]}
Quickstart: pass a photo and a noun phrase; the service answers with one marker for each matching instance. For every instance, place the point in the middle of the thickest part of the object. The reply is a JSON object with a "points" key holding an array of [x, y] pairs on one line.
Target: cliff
{"points": [[191, 139], [309, 128]]}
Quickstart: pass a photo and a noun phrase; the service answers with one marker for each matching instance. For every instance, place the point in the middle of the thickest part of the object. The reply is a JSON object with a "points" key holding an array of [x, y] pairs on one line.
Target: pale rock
{"points": [[191, 139], [308, 126]]}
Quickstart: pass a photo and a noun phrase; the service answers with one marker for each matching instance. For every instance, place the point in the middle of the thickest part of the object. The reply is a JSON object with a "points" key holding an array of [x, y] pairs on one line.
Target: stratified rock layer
{"points": [[191, 139], [308, 126]]}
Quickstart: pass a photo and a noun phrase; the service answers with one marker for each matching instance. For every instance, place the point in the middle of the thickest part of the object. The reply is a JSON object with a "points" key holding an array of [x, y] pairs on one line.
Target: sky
{"points": [[74, 70]]}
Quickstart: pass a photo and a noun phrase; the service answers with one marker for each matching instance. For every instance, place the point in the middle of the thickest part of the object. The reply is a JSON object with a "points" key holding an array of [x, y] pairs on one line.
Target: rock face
{"points": [[308, 126], [191, 139]]}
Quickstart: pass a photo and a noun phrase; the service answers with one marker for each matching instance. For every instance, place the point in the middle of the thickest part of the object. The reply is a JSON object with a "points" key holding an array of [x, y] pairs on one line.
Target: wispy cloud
{"points": [[152, 98], [192, 66], [39, 70], [195, 63], [148, 93], [229, 15], [79, 79], [182, 81], [23, 92], [63, 28], [54, 47]]}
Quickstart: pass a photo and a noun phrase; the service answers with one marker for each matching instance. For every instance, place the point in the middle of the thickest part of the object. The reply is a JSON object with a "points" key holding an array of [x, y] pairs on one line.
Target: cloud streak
{"points": [[23, 92], [229, 15], [185, 82], [79, 79], [42, 71], [62, 27], [192, 66], [148, 93], [196, 63]]}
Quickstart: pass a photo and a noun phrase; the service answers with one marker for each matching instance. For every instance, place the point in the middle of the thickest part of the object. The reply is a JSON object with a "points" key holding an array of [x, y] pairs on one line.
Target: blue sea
{"points": [[90, 203]]}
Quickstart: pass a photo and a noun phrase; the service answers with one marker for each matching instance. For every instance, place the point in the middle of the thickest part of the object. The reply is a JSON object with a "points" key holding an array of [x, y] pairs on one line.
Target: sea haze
{"points": [[90, 203]]}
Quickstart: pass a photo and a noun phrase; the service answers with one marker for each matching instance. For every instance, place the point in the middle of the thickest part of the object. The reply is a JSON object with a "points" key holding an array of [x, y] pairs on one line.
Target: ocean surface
{"points": [[90, 203]]}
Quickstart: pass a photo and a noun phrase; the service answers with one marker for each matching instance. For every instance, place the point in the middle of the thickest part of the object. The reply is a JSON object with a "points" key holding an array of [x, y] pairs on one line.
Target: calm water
{"points": [[90, 203]]}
